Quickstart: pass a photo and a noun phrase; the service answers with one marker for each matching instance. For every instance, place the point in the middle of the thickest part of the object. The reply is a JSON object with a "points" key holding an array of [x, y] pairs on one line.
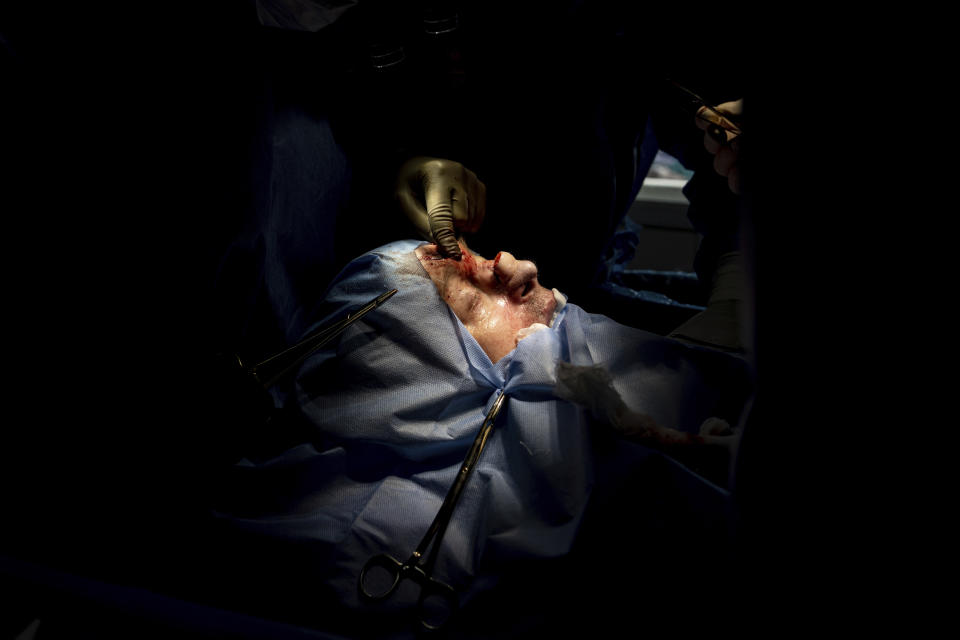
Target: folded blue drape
{"points": [[395, 404]]}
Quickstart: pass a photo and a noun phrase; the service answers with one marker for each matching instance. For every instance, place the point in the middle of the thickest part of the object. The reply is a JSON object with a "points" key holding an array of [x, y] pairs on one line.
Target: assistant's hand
{"points": [[441, 197], [726, 155]]}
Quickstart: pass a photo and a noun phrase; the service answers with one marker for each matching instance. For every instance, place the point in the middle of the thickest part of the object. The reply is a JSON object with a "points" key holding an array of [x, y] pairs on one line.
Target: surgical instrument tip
{"points": [[383, 297], [724, 131]]}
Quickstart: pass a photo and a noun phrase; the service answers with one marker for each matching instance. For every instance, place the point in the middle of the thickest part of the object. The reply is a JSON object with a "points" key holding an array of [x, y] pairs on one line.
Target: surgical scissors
{"points": [[434, 594], [722, 134], [272, 370]]}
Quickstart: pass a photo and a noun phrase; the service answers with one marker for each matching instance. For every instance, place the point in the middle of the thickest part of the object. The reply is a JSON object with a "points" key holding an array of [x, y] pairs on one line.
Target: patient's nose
{"points": [[513, 273]]}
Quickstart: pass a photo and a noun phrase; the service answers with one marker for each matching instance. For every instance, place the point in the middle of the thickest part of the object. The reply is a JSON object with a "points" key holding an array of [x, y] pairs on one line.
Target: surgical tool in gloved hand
{"points": [[271, 370], [724, 131], [438, 600]]}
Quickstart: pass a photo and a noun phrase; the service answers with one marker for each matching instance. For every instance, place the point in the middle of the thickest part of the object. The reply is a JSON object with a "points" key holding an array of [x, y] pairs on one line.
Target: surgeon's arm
{"points": [[721, 325], [441, 197], [715, 214]]}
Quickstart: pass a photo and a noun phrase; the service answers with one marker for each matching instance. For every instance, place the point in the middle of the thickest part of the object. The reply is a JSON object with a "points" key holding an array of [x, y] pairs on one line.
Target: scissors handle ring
{"points": [[434, 593], [391, 565], [437, 602]]}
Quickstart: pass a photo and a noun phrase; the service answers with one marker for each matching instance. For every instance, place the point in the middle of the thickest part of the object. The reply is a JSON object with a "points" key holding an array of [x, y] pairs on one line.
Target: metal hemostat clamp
{"points": [[435, 596]]}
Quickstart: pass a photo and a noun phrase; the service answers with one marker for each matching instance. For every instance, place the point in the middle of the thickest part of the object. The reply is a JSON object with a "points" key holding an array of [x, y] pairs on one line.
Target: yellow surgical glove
{"points": [[441, 197]]}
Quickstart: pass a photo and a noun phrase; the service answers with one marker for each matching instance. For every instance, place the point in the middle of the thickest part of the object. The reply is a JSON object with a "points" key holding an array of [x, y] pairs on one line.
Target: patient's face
{"points": [[494, 299]]}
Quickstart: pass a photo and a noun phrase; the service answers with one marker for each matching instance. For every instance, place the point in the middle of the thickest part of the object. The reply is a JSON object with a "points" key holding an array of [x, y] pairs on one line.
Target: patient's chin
{"points": [[498, 345], [495, 344]]}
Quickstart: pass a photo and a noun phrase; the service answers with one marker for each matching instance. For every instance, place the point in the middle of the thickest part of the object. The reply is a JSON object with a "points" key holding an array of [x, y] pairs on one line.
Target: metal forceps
{"points": [[719, 132], [435, 596], [271, 370]]}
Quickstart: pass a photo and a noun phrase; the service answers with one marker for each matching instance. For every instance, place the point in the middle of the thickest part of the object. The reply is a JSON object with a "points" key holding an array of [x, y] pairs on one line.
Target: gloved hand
{"points": [[726, 154], [441, 197]]}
